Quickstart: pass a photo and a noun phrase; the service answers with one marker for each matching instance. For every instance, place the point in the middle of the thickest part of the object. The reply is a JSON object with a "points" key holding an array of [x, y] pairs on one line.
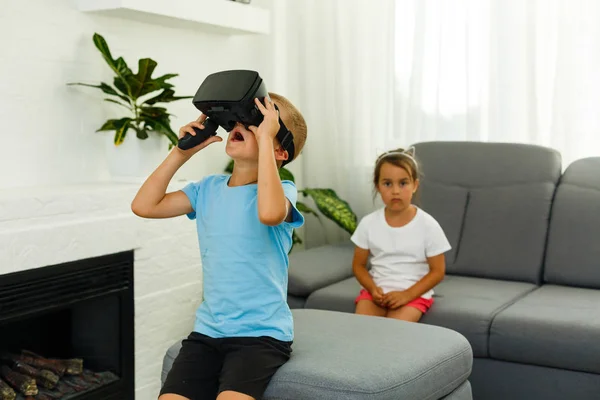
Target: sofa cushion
{"points": [[468, 305], [337, 297], [553, 326], [315, 268], [504, 232], [333, 358], [296, 301], [337, 355], [573, 252], [463, 392], [464, 304], [509, 193], [448, 205]]}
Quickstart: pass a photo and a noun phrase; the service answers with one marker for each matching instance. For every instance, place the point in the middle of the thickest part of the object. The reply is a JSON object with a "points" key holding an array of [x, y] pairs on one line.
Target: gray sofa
{"points": [[523, 275], [334, 357]]}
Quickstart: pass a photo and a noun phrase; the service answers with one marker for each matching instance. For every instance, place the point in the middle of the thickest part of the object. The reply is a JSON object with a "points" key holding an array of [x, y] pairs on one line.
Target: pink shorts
{"points": [[420, 304]]}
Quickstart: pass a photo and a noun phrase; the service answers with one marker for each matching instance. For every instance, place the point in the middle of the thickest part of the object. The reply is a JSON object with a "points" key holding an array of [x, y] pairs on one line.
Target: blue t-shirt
{"points": [[244, 262]]}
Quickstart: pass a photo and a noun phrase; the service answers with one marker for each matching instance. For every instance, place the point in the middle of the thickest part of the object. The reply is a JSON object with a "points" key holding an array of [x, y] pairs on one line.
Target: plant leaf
{"points": [[122, 131], [122, 86], [165, 78], [165, 96], [286, 175], [105, 87], [114, 124], [161, 124], [119, 65], [141, 83], [304, 209], [334, 208], [154, 112], [141, 133], [295, 239], [229, 167], [119, 103]]}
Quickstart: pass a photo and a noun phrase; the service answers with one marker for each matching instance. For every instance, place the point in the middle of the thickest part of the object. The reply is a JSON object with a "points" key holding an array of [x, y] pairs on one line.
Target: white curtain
{"points": [[373, 75], [524, 71]]}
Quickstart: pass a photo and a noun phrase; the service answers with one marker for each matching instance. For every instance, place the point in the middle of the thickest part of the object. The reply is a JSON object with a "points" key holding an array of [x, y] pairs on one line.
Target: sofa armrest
{"points": [[315, 268]]}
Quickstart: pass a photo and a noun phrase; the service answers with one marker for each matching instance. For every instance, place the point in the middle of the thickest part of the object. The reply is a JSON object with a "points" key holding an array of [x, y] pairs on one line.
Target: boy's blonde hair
{"points": [[294, 122]]}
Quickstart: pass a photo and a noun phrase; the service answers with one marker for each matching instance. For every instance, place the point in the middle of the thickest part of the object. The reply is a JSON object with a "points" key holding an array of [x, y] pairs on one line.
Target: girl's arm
{"points": [[359, 268], [437, 271]]}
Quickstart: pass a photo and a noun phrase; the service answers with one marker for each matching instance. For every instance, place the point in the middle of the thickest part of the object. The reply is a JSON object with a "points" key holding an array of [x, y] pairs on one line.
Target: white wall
{"points": [[47, 130], [40, 227]]}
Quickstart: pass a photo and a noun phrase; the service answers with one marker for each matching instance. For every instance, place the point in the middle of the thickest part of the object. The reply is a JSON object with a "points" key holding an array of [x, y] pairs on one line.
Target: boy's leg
{"points": [[229, 395], [249, 365], [195, 371]]}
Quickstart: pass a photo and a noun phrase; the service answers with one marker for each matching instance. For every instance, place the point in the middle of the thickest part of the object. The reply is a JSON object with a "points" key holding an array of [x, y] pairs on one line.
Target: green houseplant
{"points": [[326, 200], [140, 94]]}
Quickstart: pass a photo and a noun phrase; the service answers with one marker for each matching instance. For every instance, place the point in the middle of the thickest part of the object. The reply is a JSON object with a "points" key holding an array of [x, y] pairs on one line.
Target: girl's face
{"points": [[396, 187]]}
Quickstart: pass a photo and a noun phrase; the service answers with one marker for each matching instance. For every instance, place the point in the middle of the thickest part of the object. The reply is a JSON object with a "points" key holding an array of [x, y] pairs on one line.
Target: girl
{"points": [[406, 243]]}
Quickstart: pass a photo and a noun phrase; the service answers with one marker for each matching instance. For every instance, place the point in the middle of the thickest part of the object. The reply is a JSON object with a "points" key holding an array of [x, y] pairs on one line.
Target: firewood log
{"points": [[73, 366], [23, 383], [39, 362], [43, 377], [6, 392], [47, 395]]}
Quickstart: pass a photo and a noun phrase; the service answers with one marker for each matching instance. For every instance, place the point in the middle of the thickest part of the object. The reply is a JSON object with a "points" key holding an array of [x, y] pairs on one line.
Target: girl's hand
{"points": [[377, 295], [396, 299], [269, 127]]}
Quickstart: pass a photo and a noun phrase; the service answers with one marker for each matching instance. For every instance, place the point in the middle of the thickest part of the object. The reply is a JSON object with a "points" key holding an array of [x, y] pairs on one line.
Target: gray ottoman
{"points": [[345, 356]]}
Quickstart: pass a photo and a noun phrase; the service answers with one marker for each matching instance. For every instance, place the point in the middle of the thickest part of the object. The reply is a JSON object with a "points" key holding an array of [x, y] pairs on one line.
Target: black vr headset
{"points": [[226, 98]]}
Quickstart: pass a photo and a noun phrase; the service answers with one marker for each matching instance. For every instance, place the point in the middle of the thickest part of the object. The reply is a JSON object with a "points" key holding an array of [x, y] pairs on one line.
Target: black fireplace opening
{"points": [[67, 331]]}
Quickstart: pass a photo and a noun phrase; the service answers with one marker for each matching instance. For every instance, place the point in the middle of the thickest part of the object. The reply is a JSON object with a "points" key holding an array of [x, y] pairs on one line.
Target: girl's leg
{"points": [[405, 313], [367, 307]]}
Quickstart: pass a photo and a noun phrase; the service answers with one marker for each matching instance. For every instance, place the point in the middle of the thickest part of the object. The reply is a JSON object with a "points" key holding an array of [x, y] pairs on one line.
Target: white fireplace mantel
{"points": [[53, 225]]}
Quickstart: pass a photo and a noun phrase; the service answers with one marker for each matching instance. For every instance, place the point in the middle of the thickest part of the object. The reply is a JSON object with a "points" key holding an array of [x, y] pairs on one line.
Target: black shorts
{"points": [[206, 366]]}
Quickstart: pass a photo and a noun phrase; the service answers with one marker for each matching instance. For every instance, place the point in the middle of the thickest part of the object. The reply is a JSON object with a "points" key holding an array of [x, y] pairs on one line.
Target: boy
{"points": [[244, 329]]}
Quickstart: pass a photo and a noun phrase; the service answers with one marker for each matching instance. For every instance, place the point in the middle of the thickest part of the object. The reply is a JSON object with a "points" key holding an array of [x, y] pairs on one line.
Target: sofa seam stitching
{"points": [[466, 350]]}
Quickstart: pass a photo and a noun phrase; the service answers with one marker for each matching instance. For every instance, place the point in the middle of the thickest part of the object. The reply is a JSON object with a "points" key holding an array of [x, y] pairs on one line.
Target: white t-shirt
{"points": [[399, 255]]}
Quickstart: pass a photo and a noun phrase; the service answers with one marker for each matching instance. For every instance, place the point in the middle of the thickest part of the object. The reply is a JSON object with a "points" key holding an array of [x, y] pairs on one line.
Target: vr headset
{"points": [[226, 98]]}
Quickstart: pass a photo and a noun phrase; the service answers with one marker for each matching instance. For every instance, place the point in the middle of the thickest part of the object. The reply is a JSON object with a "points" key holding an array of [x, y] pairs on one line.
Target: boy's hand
{"points": [[378, 296], [189, 129], [396, 299], [269, 127]]}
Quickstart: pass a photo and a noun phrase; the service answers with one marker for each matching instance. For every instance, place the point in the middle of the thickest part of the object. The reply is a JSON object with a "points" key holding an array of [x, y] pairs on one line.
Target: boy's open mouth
{"points": [[237, 137]]}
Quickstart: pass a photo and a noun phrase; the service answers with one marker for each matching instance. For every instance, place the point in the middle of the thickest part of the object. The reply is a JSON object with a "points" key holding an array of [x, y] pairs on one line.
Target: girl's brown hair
{"points": [[404, 159]]}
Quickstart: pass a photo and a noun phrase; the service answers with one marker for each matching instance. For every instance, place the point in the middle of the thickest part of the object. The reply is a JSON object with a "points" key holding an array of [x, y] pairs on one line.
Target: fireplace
{"points": [[77, 315]]}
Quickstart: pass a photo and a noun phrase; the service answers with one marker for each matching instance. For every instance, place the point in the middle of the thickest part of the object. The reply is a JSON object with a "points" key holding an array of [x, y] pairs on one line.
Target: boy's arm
{"points": [[152, 201], [273, 206]]}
